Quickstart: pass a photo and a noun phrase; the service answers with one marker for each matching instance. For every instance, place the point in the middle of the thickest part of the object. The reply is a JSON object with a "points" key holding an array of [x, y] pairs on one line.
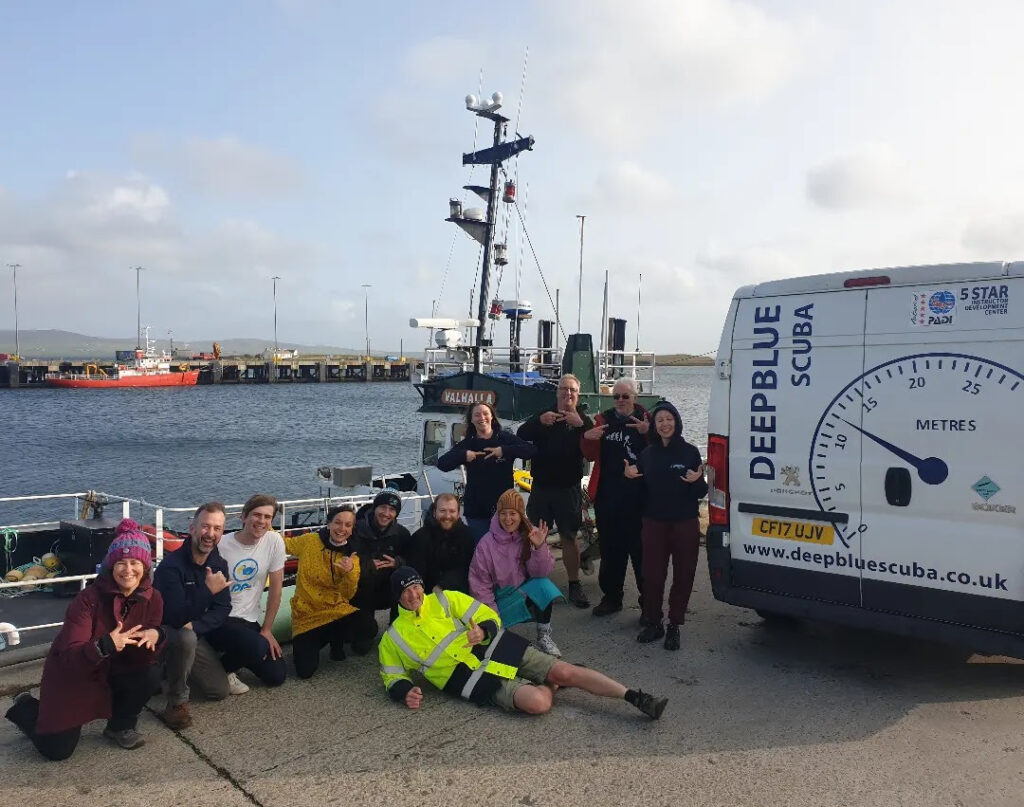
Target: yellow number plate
{"points": [[821, 534]]}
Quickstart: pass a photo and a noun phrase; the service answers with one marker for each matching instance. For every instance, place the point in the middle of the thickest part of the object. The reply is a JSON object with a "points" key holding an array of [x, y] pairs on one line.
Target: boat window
{"points": [[458, 432], [433, 441]]}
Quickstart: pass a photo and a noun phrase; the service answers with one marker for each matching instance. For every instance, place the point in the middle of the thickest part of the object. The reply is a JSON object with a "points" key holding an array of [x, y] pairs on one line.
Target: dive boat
{"points": [[133, 368]]}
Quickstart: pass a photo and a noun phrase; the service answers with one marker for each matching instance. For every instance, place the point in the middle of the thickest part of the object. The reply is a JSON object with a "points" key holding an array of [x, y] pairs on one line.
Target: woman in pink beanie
{"points": [[101, 665]]}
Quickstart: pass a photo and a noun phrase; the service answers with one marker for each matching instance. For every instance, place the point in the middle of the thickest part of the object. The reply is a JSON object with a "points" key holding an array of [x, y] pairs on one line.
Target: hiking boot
{"points": [[606, 607], [126, 738], [650, 705], [672, 637], [177, 716], [651, 632], [547, 645], [577, 596], [235, 684]]}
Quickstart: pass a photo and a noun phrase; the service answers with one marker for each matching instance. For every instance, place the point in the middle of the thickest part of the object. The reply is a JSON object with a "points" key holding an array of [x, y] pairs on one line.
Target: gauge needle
{"points": [[932, 470]]}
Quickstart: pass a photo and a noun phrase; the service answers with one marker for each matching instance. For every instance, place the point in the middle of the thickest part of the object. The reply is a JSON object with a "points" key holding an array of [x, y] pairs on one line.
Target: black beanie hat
{"points": [[388, 496], [402, 578]]}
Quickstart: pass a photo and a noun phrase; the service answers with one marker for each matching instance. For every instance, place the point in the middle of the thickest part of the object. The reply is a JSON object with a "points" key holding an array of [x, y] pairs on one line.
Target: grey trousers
{"points": [[190, 659]]}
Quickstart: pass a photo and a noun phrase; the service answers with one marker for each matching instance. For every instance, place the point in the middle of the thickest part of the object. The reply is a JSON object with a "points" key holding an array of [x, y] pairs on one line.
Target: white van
{"points": [[866, 452]]}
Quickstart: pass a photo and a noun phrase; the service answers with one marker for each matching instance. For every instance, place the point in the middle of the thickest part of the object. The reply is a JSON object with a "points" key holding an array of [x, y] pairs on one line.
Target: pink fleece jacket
{"points": [[496, 563]]}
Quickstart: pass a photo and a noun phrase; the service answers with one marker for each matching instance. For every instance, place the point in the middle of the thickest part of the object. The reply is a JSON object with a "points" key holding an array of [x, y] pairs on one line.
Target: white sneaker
{"points": [[235, 685], [547, 645]]}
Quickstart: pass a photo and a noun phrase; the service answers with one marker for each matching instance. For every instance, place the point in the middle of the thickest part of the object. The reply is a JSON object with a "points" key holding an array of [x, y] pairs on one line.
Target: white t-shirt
{"points": [[248, 568]]}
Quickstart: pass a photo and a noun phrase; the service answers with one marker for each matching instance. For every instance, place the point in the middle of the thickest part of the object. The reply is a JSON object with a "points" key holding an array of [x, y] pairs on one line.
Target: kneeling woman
{"points": [[101, 665], [510, 568], [322, 612]]}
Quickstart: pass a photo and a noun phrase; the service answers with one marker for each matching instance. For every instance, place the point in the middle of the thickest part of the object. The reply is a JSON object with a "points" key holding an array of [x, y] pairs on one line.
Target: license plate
{"points": [[821, 534]]}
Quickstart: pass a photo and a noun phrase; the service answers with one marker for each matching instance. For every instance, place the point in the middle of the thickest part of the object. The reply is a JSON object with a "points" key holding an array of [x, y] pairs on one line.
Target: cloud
{"points": [[740, 265], [872, 175], [223, 166], [626, 68], [995, 236], [442, 59], [627, 186]]}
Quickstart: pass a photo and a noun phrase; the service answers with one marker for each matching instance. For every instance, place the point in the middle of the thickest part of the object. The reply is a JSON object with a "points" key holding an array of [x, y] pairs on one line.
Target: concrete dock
{"points": [[232, 370], [803, 715]]}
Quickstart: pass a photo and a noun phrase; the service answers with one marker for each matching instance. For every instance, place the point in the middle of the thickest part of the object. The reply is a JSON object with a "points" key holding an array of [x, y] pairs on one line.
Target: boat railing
{"points": [[640, 366], [158, 516], [497, 359]]}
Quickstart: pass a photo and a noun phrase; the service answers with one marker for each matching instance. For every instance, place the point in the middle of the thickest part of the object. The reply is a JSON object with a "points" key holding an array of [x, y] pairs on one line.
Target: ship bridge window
{"points": [[433, 441], [458, 432]]}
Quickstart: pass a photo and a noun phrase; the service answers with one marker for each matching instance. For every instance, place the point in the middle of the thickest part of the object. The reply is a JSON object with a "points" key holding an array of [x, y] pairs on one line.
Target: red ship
{"points": [[138, 368]]}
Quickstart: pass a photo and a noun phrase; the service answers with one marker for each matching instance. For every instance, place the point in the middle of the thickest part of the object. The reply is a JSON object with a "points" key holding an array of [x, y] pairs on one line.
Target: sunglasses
{"points": [[622, 396]]}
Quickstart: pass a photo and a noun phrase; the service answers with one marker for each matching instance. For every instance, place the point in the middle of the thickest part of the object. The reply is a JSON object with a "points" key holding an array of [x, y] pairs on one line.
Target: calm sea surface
{"points": [[179, 447]]}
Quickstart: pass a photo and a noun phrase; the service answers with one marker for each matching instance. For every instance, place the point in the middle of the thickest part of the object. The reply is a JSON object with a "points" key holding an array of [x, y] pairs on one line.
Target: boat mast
{"points": [[483, 231], [138, 310]]}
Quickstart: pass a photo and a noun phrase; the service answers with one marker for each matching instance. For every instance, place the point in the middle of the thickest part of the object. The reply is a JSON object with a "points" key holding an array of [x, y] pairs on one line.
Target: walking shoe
{"points": [[672, 637], [235, 685], [650, 633], [606, 607], [177, 716], [650, 705], [126, 738], [577, 596], [547, 645]]}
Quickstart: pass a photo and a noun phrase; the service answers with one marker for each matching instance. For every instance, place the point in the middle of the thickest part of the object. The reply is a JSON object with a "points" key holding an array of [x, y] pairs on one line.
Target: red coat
{"points": [[74, 689]]}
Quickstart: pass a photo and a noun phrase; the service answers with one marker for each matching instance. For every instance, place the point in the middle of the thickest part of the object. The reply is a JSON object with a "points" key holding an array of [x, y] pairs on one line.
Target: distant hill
{"points": [[54, 344], [685, 360]]}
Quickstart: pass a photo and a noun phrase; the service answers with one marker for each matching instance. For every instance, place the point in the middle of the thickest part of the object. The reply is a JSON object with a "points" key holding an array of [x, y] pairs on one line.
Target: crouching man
{"points": [[476, 659]]}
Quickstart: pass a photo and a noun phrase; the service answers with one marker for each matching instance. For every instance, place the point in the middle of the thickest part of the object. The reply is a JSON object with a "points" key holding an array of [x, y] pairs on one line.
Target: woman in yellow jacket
{"points": [[322, 612]]}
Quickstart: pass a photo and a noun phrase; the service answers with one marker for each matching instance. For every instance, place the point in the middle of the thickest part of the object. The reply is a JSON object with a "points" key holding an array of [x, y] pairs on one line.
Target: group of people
{"points": [[450, 590]]}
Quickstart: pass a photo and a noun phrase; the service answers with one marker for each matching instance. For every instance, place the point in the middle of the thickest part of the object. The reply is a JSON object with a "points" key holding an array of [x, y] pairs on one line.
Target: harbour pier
{"points": [[31, 373]]}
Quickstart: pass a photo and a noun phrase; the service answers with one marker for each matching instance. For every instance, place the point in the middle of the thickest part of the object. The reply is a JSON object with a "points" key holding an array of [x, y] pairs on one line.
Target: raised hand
{"points": [[573, 418], [414, 698], [693, 475], [550, 418], [640, 424], [149, 639], [632, 472], [595, 433], [472, 455], [215, 581], [492, 453], [475, 634], [122, 638], [345, 564], [388, 562], [539, 534]]}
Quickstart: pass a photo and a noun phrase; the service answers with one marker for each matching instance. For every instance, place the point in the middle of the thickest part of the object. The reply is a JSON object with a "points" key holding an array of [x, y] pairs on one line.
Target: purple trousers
{"points": [[678, 541]]}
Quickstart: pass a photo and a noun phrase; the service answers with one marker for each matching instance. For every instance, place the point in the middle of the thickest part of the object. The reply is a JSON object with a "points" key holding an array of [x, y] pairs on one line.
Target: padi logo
{"points": [[985, 488], [245, 569], [942, 302]]}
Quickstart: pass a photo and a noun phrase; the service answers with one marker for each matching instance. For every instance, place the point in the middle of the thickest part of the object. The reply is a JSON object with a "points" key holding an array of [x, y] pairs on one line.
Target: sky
{"points": [[709, 144]]}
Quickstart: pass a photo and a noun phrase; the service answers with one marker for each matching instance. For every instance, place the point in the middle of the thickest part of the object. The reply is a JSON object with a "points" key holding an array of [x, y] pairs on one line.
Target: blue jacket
{"points": [[486, 479], [182, 584]]}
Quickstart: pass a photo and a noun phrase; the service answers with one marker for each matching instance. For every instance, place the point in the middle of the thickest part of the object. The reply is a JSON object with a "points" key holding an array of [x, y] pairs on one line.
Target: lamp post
{"points": [[275, 278], [366, 316], [17, 344]]}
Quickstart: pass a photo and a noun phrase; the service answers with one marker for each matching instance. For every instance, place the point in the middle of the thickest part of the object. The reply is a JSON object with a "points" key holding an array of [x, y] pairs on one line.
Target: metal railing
{"points": [[410, 517]]}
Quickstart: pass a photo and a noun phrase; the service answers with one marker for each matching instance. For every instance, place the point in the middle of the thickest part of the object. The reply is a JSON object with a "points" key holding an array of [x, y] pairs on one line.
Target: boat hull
{"points": [[185, 378]]}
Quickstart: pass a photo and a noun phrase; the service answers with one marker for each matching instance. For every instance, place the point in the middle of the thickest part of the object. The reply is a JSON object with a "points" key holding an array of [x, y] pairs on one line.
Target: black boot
{"points": [[651, 632], [650, 705], [672, 637]]}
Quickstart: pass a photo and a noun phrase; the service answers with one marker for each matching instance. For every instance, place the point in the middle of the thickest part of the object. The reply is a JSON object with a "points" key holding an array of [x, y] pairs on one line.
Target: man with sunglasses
{"points": [[617, 438]]}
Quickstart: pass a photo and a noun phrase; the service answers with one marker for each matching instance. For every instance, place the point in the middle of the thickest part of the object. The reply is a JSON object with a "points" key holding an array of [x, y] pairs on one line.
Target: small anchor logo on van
{"points": [[985, 488]]}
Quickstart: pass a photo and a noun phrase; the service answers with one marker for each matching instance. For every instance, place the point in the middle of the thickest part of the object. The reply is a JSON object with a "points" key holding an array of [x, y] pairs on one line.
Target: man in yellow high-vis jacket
{"points": [[459, 646]]}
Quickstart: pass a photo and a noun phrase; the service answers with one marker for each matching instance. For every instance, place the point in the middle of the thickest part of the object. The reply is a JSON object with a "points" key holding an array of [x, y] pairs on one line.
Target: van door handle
{"points": [[897, 487]]}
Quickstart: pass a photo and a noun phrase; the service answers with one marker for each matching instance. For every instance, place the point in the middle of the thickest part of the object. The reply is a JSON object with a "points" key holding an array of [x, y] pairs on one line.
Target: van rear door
{"points": [[795, 443], [943, 478]]}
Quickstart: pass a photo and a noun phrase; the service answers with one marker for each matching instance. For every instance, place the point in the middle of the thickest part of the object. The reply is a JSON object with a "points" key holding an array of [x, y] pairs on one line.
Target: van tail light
{"points": [[718, 480]]}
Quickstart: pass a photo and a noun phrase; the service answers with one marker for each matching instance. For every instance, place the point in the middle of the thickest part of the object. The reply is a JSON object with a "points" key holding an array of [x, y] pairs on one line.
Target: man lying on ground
{"points": [[476, 659]]}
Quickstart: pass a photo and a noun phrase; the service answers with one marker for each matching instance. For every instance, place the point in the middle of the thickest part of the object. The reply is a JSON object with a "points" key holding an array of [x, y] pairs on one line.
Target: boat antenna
{"points": [[138, 309], [579, 301], [639, 288]]}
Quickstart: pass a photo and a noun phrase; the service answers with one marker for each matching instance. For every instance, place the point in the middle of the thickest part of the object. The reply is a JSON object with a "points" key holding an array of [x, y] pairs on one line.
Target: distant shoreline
{"points": [[684, 360]]}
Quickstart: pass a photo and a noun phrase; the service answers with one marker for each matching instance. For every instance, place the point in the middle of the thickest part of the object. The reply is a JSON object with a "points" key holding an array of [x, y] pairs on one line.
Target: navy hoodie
{"points": [[182, 584], [668, 497], [486, 479]]}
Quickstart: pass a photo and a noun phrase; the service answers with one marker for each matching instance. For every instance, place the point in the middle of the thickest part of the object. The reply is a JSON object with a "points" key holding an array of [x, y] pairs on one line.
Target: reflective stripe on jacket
{"points": [[433, 642]]}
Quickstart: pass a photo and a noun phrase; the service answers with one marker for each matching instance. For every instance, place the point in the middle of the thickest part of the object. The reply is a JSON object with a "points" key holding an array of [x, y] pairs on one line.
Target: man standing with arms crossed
{"points": [[193, 582], [555, 495]]}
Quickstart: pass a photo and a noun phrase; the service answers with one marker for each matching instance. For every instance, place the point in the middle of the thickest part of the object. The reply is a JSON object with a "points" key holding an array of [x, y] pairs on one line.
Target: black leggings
{"points": [[357, 627], [539, 616], [128, 694]]}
